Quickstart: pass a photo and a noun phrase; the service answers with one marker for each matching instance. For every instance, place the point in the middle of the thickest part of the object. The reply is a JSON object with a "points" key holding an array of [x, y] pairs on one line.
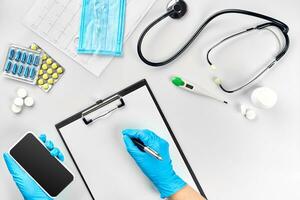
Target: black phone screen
{"points": [[46, 170]]}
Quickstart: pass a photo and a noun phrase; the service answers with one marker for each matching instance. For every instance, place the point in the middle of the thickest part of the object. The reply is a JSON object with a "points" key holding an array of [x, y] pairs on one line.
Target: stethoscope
{"points": [[177, 9]]}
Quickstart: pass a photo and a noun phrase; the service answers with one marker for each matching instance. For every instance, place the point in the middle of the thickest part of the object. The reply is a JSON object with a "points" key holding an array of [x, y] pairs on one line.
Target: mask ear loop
{"points": [[218, 81]]}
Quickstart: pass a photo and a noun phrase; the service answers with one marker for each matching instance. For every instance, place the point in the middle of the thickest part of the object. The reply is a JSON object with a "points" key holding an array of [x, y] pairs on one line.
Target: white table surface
{"points": [[233, 158]]}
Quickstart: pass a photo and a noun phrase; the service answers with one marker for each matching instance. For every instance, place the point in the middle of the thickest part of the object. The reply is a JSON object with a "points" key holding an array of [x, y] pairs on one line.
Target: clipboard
{"points": [[95, 118]]}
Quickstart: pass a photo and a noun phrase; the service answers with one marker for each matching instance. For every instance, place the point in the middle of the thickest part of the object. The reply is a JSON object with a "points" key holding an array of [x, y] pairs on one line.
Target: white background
{"points": [[233, 158]]}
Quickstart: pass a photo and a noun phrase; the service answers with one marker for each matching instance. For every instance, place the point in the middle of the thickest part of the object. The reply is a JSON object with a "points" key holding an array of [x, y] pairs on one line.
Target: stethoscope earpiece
{"points": [[179, 8]]}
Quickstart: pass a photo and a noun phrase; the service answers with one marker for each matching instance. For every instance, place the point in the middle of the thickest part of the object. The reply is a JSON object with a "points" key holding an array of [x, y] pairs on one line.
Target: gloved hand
{"points": [[160, 172], [27, 186]]}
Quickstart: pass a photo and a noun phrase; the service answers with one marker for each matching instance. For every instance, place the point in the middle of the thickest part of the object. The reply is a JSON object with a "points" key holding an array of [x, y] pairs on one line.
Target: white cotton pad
{"points": [[29, 101], [16, 109], [19, 101], [264, 97]]}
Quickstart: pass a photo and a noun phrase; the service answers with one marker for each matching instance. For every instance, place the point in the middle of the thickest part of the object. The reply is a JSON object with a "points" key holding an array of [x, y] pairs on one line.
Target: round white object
{"points": [[250, 114], [19, 101], [243, 108], [29, 101], [264, 97], [16, 109], [22, 93]]}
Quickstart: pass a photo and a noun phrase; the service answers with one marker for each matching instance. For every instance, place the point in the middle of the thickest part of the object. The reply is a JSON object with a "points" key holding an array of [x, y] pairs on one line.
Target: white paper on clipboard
{"points": [[58, 22], [100, 154]]}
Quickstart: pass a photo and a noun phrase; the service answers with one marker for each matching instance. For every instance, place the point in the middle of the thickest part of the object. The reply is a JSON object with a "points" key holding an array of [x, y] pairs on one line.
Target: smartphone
{"points": [[47, 171]]}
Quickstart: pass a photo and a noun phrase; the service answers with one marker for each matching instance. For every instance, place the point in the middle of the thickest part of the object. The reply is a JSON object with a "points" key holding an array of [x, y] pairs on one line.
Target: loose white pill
{"points": [[264, 97], [22, 93], [250, 114], [243, 108], [29, 101], [19, 101], [16, 109]]}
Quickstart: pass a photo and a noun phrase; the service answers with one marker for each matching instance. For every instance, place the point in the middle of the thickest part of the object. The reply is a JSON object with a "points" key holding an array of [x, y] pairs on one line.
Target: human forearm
{"points": [[187, 193]]}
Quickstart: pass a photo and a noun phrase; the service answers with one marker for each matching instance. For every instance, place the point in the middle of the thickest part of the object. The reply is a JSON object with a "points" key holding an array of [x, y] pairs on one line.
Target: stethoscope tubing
{"points": [[282, 26]]}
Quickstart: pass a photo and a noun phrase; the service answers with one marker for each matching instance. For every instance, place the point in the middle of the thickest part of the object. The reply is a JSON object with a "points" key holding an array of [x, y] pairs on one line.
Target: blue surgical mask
{"points": [[102, 27]]}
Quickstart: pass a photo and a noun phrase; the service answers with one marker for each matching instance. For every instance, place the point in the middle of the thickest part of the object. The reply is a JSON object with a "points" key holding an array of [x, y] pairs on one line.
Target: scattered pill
{"points": [[247, 112], [50, 71], [54, 66], [16, 109], [15, 68], [250, 114], [8, 66], [22, 93], [49, 61], [55, 75], [29, 101], [40, 82], [243, 108], [19, 101], [45, 76], [59, 70], [11, 54], [20, 70], [264, 97], [50, 81]]}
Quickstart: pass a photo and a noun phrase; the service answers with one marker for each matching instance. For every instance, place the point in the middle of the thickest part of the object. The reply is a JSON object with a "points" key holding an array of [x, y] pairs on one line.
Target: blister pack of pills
{"points": [[22, 64], [50, 72]]}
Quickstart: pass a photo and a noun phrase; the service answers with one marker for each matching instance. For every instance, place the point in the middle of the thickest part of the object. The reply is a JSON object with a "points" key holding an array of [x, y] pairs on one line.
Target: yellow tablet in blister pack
{"points": [[50, 72]]}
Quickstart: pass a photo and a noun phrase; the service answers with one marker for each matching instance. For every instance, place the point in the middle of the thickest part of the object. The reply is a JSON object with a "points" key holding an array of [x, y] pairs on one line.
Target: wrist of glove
{"points": [[160, 172]]}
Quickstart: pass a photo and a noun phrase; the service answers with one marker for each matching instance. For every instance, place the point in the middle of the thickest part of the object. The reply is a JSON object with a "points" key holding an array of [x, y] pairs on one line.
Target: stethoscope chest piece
{"points": [[179, 8]]}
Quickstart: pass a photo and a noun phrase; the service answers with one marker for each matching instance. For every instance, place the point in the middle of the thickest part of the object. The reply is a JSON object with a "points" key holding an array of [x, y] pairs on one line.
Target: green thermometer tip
{"points": [[177, 81]]}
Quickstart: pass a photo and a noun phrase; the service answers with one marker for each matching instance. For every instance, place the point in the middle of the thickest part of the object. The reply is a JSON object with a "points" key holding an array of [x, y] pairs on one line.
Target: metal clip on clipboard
{"points": [[99, 105]]}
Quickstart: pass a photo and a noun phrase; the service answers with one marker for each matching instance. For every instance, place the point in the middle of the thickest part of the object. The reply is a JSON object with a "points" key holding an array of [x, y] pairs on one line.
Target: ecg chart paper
{"points": [[58, 22]]}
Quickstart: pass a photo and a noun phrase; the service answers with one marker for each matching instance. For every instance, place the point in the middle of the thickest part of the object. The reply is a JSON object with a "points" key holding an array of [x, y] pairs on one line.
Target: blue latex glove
{"points": [[160, 172], [27, 186]]}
